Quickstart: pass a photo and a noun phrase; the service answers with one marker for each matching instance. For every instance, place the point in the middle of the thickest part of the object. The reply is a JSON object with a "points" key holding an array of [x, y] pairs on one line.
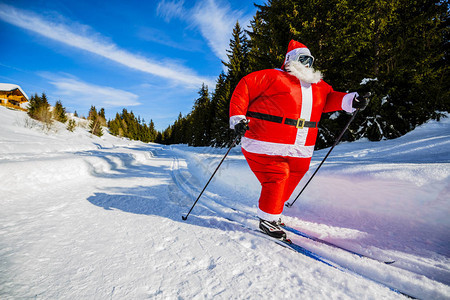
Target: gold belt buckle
{"points": [[302, 122]]}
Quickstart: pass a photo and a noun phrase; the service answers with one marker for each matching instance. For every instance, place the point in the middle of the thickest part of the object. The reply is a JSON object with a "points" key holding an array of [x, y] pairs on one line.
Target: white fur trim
{"points": [[347, 102], [307, 101], [268, 148], [236, 119], [268, 217]]}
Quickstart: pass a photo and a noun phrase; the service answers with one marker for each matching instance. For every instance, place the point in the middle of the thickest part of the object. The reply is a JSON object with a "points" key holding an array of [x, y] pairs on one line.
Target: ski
{"points": [[287, 243], [306, 252], [284, 242], [319, 240]]}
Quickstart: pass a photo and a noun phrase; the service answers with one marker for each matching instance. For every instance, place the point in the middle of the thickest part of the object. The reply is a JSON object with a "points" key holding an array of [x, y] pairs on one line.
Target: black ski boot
{"points": [[280, 223], [272, 229]]}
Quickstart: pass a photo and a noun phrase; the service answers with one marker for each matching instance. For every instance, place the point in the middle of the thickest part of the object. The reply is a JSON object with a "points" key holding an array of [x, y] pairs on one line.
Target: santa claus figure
{"points": [[279, 111]]}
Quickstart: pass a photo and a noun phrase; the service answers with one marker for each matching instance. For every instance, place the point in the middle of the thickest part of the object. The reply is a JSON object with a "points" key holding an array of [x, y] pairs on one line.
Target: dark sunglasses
{"points": [[306, 60]]}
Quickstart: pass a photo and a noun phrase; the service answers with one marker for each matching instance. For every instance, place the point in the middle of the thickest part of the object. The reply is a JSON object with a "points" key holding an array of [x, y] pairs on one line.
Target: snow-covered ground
{"points": [[84, 217]]}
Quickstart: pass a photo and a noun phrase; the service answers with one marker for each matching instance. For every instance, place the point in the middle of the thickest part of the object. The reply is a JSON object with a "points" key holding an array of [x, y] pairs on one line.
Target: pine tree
{"points": [[92, 113], [71, 125], [33, 105], [221, 135], [114, 126], [237, 64], [201, 122], [271, 33], [59, 112], [237, 67], [95, 125], [179, 131], [39, 109], [101, 114], [153, 131]]}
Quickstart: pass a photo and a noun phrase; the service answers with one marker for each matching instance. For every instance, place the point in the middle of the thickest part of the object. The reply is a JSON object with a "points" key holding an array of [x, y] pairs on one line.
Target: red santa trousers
{"points": [[279, 176]]}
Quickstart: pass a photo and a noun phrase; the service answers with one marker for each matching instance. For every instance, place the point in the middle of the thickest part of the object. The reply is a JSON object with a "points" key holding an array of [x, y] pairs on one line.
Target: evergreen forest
{"points": [[396, 49], [128, 125]]}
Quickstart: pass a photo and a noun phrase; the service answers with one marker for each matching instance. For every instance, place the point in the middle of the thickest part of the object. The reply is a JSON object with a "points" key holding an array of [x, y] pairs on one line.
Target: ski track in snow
{"points": [[100, 218]]}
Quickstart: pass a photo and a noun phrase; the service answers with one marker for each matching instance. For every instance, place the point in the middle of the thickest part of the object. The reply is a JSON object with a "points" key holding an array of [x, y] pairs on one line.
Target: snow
{"points": [[85, 217], [367, 80]]}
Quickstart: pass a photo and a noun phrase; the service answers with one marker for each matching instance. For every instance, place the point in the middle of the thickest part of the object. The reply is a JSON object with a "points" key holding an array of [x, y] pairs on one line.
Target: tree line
{"points": [[397, 50], [40, 109], [125, 124]]}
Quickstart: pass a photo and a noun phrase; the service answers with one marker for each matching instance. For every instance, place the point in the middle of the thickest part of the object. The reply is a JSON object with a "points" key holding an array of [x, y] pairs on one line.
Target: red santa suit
{"points": [[284, 113]]}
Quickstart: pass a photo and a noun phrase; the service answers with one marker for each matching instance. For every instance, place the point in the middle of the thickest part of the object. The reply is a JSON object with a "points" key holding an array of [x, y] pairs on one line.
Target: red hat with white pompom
{"points": [[295, 49]]}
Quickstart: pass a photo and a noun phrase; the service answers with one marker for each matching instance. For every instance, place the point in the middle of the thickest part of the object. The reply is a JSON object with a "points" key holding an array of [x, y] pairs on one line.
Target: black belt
{"points": [[299, 123]]}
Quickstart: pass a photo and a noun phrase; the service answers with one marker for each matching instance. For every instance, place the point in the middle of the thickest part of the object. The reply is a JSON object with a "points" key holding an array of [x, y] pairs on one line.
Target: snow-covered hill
{"points": [[100, 218]]}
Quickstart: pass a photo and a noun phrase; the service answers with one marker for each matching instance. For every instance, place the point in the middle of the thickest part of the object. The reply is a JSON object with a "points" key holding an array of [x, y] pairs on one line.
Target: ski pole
{"points": [[226, 154], [335, 143]]}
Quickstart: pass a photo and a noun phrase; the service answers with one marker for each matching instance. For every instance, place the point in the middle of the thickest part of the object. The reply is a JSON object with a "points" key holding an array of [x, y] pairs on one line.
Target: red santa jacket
{"points": [[277, 93]]}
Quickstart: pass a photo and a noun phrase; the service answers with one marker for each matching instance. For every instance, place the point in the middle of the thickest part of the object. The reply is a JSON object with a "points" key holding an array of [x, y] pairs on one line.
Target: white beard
{"points": [[302, 72]]}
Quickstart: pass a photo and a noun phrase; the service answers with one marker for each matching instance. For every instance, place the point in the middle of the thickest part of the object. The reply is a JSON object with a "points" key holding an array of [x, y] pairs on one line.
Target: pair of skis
{"points": [[300, 249], [294, 246]]}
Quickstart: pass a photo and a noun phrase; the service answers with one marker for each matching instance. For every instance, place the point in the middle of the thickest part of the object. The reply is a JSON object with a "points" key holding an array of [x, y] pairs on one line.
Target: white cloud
{"points": [[214, 18], [216, 24], [82, 37], [75, 90], [170, 9]]}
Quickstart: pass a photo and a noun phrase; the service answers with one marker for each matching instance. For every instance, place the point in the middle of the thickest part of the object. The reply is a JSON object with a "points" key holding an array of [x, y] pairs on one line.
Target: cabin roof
{"points": [[9, 87]]}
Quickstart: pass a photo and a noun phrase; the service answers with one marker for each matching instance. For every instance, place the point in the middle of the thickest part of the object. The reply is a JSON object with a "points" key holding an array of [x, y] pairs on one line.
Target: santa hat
{"points": [[294, 50]]}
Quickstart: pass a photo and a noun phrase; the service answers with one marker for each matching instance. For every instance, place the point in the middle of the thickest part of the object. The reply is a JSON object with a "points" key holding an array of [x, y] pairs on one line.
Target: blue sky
{"points": [[150, 57]]}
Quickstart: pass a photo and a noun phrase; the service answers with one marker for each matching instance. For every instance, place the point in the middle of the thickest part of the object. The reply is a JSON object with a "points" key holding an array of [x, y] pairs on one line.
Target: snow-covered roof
{"points": [[10, 87]]}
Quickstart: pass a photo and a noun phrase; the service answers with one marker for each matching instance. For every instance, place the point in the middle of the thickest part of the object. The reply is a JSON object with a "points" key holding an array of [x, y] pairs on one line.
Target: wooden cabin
{"points": [[12, 95]]}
